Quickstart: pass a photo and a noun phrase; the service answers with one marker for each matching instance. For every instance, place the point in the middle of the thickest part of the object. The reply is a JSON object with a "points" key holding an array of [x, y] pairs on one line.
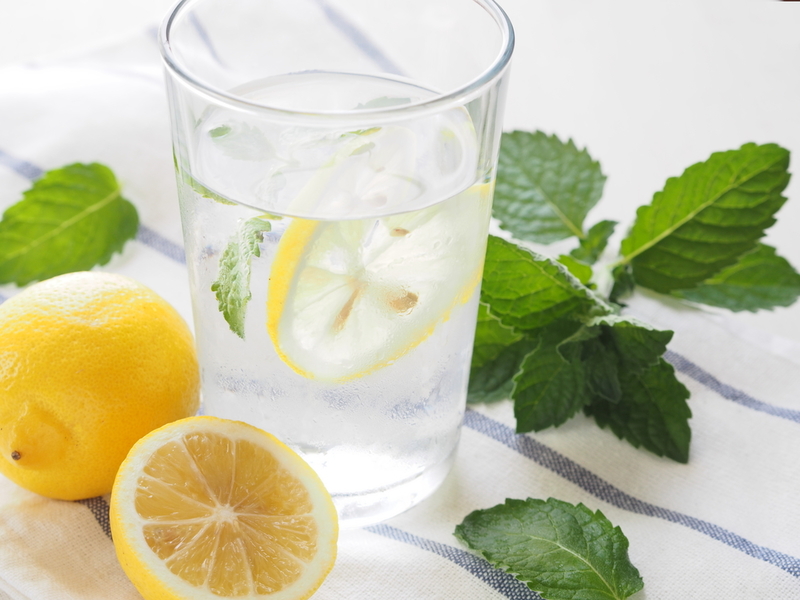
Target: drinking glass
{"points": [[335, 162]]}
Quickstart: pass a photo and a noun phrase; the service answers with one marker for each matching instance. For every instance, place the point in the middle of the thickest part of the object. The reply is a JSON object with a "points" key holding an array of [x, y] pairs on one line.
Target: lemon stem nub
{"points": [[16, 455]]}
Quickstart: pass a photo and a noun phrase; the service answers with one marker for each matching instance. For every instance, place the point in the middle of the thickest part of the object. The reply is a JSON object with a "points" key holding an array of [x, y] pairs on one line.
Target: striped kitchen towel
{"points": [[725, 526]]}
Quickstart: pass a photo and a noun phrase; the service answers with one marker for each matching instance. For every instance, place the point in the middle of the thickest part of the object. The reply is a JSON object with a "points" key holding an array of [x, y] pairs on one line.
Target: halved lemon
{"points": [[206, 508], [348, 297]]}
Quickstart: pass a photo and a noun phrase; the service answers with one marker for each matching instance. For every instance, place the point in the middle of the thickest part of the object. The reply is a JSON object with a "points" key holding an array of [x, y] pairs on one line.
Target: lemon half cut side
{"points": [[346, 298], [206, 508]]}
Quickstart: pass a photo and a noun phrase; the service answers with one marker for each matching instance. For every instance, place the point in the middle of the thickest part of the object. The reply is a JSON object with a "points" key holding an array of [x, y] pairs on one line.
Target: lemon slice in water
{"points": [[349, 297]]}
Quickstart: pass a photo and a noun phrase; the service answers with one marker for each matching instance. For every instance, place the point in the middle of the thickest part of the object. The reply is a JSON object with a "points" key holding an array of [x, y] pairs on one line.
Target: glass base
{"points": [[361, 510]]}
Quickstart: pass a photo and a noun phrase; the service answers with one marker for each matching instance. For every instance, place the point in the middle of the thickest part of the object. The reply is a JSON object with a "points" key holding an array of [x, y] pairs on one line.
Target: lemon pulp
{"points": [[349, 297], [228, 510]]}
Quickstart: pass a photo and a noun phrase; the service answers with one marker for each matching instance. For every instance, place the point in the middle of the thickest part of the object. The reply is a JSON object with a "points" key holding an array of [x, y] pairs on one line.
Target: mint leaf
{"points": [[580, 270], [602, 370], [528, 291], [232, 286], [491, 337], [494, 379], [550, 386], [704, 220], [592, 246], [760, 280], [561, 551], [623, 283], [652, 412], [638, 345], [71, 219], [242, 141], [545, 187], [496, 355], [202, 190]]}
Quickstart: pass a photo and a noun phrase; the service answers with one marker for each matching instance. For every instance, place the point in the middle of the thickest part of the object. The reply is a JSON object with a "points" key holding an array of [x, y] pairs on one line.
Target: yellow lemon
{"points": [[349, 297], [206, 508], [89, 363]]}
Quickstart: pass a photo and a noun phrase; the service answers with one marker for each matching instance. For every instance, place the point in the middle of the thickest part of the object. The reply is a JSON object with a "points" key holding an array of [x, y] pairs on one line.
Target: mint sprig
{"points": [[560, 550], [71, 219], [759, 279], [545, 188], [232, 286], [566, 347], [706, 219]]}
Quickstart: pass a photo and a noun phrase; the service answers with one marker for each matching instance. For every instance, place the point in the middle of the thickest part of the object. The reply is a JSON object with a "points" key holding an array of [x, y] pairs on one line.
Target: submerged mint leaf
{"points": [[232, 286], [528, 291], [592, 246], [545, 187], [704, 220], [555, 548], [652, 412], [760, 280], [242, 141], [71, 219]]}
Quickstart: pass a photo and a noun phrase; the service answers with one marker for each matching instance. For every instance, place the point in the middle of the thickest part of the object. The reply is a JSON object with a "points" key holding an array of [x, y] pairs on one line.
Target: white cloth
{"points": [[726, 525]]}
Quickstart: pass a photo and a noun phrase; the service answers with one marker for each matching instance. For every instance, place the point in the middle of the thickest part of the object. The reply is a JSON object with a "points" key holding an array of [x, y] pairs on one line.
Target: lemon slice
{"points": [[207, 508], [349, 297]]}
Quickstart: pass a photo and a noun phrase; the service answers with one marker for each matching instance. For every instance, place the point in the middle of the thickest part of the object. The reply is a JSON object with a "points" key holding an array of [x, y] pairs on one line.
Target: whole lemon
{"points": [[89, 363]]}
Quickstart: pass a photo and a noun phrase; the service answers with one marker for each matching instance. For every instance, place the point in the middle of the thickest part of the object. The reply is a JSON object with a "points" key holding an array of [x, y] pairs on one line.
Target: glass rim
{"points": [[458, 96]]}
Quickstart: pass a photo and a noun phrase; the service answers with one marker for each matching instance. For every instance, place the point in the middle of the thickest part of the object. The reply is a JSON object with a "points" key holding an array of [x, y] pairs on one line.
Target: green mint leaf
{"points": [[494, 380], [71, 219], [704, 220], [638, 345], [242, 141], [560, 550], [550, 386], [623, 283], [491, 337], [496, 355], [202, 190], [545, 187], [592, 246], [760, 280], [622, 343], [579, 269], [602, 370], [527, 291], [652, 412], [232, 286]]}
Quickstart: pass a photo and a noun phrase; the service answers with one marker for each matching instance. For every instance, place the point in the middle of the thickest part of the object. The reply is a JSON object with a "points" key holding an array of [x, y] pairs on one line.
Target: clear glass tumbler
{"points": [[335, 163]]}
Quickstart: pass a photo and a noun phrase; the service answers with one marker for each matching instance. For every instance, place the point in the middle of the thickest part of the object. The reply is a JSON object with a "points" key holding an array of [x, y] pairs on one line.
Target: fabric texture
{"points": [[724, 526]]}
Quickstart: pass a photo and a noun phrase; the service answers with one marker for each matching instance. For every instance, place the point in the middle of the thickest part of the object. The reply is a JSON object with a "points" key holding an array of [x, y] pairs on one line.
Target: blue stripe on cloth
{"points": [[160, 244], [205, 38], [21, 167], [359, 38], [99, 508], [145, 235], [588, 481], [687, 367], [504, 583]]}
